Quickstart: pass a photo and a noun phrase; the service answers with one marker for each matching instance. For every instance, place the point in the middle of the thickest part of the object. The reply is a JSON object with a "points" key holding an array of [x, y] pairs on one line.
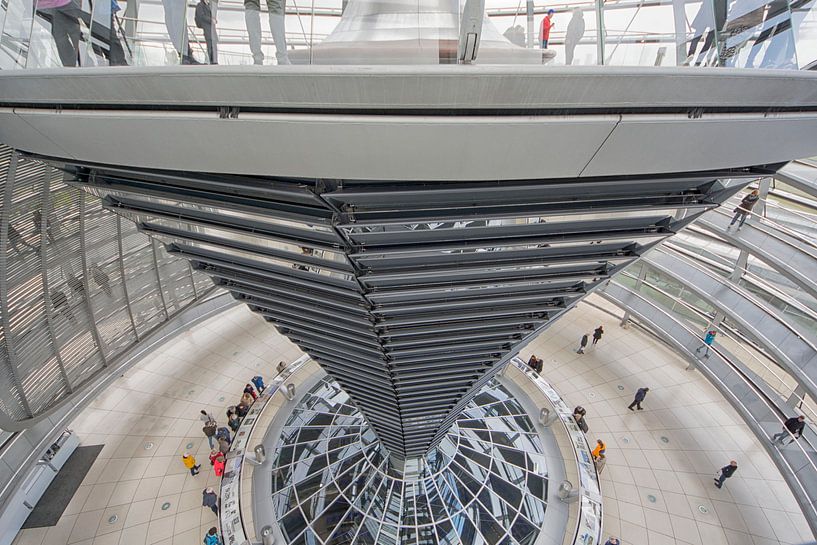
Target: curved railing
{"points": [[763, 410], [236, 523], [236, 518], [589, 522]]}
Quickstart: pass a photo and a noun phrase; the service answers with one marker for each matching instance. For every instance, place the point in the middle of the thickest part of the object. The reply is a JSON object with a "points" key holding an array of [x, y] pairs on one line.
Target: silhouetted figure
{"points": [[60, 303], [16, 240], [101, 279], [574, 34]]}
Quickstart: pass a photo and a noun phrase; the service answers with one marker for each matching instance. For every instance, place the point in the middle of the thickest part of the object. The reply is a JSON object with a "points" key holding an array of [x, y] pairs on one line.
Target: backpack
{"points": [[211, 540], [209, 429]]}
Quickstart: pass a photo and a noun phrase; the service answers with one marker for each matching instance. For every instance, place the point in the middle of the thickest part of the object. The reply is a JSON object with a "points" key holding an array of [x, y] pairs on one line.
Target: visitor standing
{"points": [[209, 429], [544, 29]]}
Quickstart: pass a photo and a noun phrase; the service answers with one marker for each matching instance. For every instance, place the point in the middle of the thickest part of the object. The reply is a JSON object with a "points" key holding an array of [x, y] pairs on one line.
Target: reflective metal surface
{"points": [[485, 483]]}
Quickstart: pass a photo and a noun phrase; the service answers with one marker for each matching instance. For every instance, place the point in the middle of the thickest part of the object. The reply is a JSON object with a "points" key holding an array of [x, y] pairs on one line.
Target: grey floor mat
{"points": [[49, 509]]}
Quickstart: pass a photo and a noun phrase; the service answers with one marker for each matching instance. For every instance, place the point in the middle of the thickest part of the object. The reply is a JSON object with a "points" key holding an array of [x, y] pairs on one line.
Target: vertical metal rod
{"points": [[531, 30], [45, 211], [5, 219], [600, 31], [192, 279], [124, 277], [85, 284], [158, 277]]}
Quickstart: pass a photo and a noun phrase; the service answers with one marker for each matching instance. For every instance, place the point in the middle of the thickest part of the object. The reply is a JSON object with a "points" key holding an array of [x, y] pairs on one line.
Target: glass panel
{"points": [[16, 36]]}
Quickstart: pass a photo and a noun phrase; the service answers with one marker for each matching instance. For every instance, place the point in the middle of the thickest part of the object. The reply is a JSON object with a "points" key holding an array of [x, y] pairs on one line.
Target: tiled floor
{"points": [[654, 490], [657, 483], [156, 404]]}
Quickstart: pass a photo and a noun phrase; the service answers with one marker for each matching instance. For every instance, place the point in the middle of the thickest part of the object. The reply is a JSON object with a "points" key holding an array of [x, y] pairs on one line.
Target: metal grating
{"points": [[65, 312]]}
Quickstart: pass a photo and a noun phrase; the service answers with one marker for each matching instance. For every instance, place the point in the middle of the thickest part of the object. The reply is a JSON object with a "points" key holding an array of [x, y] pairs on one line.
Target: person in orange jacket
{"points": [[600, 449], [189, 462]]}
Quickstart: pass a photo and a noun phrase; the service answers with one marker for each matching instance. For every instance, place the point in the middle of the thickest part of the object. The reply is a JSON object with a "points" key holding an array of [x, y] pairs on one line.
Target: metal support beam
{"points": [[85, 284], [11, 354], [47, 303]]}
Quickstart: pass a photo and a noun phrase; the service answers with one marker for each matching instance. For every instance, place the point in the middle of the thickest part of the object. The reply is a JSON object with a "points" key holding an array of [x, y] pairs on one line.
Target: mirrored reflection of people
{"points": [[101, 279], [176, 24], [544, 29], [60, 303], [277, 25], [64, 16], [16, 240], [574, 34], [515, 35], [204, 20], [37, 220]]}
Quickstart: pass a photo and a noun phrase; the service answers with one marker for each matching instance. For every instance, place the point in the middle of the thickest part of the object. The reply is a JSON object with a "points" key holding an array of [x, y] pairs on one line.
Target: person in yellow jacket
{"points": [[600, 449], [189, 462]]}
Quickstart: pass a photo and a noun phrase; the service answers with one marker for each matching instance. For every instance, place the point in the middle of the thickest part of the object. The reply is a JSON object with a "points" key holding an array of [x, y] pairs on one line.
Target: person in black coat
{"points": [[726, 472], [744, 208], [640, 394], [597, 333], [204, 20], [582, 344], [793, 426]]}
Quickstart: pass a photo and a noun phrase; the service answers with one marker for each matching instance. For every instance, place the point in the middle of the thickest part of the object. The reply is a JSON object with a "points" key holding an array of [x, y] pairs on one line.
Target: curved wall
{"points": [[78, 287]]}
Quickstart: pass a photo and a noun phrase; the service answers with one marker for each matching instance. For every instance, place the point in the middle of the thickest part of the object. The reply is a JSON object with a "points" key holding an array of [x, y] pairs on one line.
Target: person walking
{"points": [[248, 389], [101, 279], [258, 382], [640, 394], [212, 537], [210, 499], [744, 209], [190, 463], [539, 365], [597, 333], [209, 429], [246, 399], [544, 29], [60, 303], [708, 340], [600, 449], [726, 472], [612, 540], [205, 416], [793, 426], [582, 344]]}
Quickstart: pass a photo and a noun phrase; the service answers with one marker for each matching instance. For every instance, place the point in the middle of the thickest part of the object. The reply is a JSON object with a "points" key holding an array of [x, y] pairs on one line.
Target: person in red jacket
{"points": [[544, 30], [218, 465]]}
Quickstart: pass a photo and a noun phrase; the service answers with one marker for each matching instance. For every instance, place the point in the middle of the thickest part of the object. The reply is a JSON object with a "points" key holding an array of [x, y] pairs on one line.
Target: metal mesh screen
{"points": [[78, 287]]}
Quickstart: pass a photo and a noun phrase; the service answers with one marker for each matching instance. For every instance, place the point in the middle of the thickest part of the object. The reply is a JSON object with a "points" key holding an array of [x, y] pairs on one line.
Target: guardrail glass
{"points": [[70, 33]]}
